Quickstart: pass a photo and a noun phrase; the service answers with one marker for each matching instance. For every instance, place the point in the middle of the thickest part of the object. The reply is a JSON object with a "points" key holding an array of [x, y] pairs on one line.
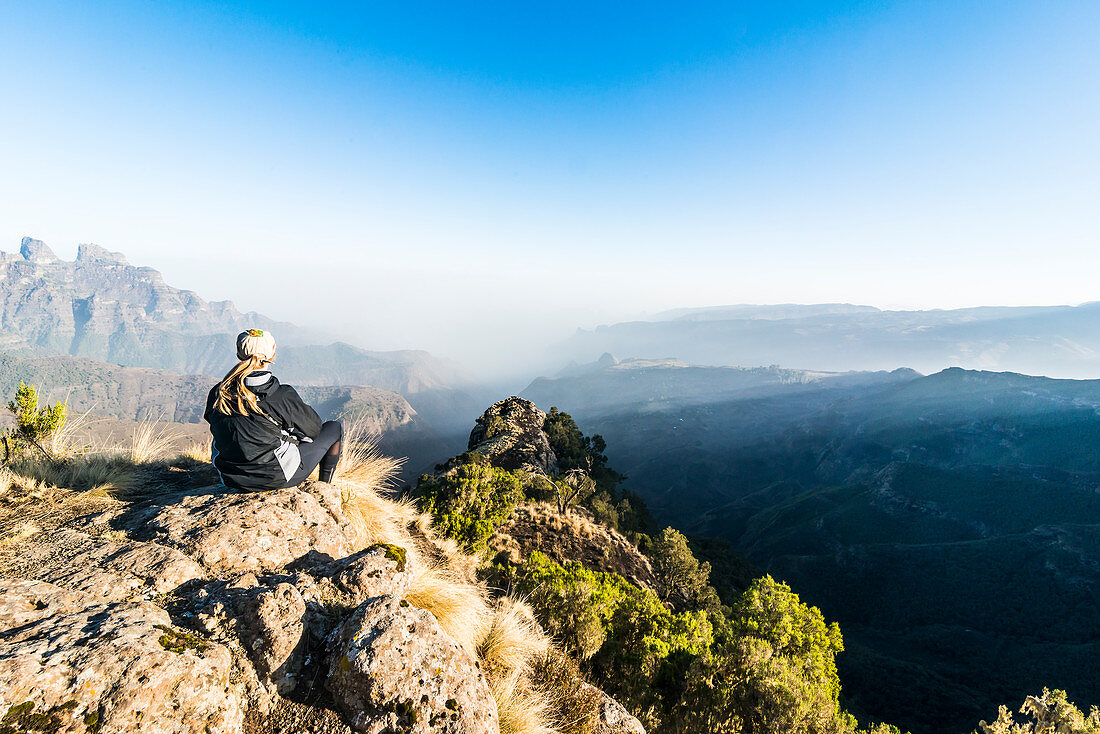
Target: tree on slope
{"points": [[680, 578], [1050, 713]]}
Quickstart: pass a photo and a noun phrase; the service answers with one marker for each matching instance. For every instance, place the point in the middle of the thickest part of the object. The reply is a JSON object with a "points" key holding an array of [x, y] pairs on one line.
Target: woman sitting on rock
{"points": [[265, 436]]}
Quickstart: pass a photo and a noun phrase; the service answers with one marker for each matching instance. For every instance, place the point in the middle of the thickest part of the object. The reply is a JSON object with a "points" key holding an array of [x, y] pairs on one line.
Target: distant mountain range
{"points": [[115, 339], [1057, 341], [950, 523], [101, 307], [610, 385]]}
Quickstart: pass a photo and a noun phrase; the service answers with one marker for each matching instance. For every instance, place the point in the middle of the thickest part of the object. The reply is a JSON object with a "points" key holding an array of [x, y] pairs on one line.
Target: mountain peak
{"points": [[36, 251], [90, 253]]}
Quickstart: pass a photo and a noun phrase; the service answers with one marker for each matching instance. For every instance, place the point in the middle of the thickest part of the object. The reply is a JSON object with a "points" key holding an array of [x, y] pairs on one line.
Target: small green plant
{"points": [[34, 424]]}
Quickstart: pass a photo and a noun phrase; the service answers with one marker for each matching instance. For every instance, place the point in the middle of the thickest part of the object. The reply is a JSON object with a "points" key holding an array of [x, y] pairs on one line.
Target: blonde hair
{"points": [[233, 395]]}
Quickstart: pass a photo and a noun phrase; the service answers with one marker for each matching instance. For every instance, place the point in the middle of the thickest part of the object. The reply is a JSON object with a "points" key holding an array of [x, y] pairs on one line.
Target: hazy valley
{"points": [[948, 521]]}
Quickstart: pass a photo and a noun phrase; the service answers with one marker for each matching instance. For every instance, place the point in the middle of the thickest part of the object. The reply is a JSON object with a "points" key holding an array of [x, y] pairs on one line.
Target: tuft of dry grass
{"points": [[522, 708], [108, 471], [151, 440], [573, 703], [29, 506], [461, 608], [197, 452], [64, 442], [373, 518], [509, 650], [362, 462], [77, 467], [514, 638]]}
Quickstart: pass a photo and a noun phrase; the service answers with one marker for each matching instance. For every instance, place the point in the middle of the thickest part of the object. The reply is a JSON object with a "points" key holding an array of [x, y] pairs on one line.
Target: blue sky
{"points": [[480, 178]]}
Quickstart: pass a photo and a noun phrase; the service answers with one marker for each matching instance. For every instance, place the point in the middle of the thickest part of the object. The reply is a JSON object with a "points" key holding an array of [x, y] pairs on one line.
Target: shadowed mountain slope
{"points": [[949, 523]]}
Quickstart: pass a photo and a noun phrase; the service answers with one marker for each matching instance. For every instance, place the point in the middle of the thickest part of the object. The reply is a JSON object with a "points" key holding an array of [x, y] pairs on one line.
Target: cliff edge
{"points": [[180, 606]]}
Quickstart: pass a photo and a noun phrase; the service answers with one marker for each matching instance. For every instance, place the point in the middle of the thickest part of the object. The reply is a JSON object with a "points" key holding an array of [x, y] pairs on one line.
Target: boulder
{"points": [[378, 571], [394, 669], [237, 532], [510, 434], [71, 663], [613, 718], [269, 622]]}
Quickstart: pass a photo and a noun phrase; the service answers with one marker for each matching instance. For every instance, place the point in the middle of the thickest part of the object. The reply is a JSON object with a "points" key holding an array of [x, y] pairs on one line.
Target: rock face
{"points": [[107, 667], [234, 533], [510, 434], [394, 669], [268, 621], [112, 570]]}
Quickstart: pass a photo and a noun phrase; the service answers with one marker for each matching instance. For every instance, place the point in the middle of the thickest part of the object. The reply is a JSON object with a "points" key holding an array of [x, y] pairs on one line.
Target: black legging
{"points": [[323, 450]]}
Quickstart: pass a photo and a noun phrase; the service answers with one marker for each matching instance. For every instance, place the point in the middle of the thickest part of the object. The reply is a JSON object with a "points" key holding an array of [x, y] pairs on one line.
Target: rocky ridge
{"points": [[197, 609]]}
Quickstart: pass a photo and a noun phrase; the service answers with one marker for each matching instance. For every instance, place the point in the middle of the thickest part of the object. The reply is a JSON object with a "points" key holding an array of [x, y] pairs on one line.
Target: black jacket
{"points": [[244, 445]]}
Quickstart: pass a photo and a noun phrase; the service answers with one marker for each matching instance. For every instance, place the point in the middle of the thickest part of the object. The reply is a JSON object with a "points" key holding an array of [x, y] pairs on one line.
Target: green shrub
{"points": [[680, 578], [765, 666], [470, 500], [34, 425], [1050, 713]]}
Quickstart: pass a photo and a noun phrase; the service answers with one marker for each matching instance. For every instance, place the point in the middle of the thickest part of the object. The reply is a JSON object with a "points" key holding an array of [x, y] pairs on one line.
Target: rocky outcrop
{"points": [[510, 435], [73, 664], [394, 669], [235, 533], [203, 610]]}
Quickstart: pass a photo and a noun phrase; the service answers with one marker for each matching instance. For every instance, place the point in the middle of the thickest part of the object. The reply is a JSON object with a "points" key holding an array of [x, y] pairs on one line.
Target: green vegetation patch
{"points": [[470, 500], [177, 640], [23, 718], [393, 552], [768, 658]]}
